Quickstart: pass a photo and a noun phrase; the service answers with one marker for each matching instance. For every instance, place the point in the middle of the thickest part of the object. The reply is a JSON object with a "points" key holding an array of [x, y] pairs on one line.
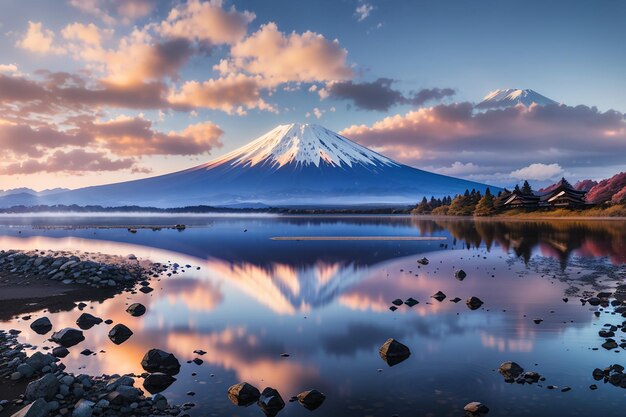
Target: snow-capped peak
{"points": [[302, 144], [512, 97]]}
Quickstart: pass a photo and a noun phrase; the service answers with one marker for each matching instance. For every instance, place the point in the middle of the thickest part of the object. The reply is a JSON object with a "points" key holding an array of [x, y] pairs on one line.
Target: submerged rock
{"points": [[460, 275], [243, 394], [474, 303], [68, 337], [439, 296], [397, 302], [312, 399], [86, 321], [136, 309], [423, 261], [119, 334], [41, 326], [156, 360], [157, 382], [411, 302], [271, 402], [510, 371], [475, 409], [394, 352]]}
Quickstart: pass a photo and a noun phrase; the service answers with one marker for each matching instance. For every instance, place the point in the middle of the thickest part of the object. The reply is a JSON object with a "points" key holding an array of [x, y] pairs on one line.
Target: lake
{"points": [[326, 304]]}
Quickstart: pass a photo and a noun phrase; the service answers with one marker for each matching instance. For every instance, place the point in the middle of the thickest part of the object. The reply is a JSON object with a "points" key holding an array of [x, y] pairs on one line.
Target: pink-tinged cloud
{"points": [[75, 161], [504, 138], [22, 140], [281, 58], [232, 93], [110, 10], [206, 22], [39, 39], [136, 137]]}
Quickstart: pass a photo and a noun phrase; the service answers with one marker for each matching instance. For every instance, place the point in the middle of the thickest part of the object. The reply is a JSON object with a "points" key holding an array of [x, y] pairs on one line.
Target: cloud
{"points": [[135, 9], [90, 33], [206, 21], [231, 93], [538, 172], [459, 168], [441, 135], [8, 68], [135, 136], [38, 39], [75, 161], [281, 58], [23, 140], [379, 95], [108, 10], [363, 11]]}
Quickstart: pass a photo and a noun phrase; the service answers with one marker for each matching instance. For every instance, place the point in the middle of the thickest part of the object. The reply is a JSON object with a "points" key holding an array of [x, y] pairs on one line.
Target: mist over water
{"points": [[326, 304]]}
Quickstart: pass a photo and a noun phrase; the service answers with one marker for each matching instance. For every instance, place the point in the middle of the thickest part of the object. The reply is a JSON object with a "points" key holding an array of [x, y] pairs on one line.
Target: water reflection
{"points": [[326, 304]]}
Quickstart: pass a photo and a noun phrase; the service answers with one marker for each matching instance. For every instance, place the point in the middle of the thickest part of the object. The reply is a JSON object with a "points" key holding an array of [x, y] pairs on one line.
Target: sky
{"points": [[101, 91]]}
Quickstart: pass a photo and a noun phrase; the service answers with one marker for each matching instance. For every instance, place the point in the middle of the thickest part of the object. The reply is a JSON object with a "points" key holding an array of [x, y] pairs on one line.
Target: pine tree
{"points": [[526, 189], [423, 207], [485, 206]]}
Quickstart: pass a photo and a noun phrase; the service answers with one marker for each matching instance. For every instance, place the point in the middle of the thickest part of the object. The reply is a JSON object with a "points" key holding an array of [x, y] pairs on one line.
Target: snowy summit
{"points": [[301, 144], [512, 97]]}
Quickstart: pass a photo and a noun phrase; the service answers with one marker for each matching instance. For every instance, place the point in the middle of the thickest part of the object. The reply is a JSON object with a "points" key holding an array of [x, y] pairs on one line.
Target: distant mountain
{"points": [[512, 97], [609, 190], [585, 185], [30, 191], [294, 164]]}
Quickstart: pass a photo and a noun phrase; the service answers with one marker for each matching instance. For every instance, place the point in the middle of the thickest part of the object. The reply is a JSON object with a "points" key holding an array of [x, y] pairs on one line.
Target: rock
{"points": [[243, 394], [68, 337], [460, 275], [39, 408], [41, 326], [393, 352], [157, 382], [610, 344], [146, 290], [411, 302], [16, 376], [45, 387], [455, 300], [136, 310], [537, 321], [119, 334], [311, 399], [475, 409], [510, 370], [60, 352], [397, 302], [156, 360], [86, 321], [393, 308], [86, 352], [474, 303], [26, 370], [199, 352], [83, 408], [423, 261], [271, 402], [439, 296], [39, 360], [130, 394]]}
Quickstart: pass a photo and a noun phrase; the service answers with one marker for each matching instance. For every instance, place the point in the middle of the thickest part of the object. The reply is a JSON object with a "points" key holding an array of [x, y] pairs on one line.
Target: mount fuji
{"points": [[512, 97], [292, 165]]}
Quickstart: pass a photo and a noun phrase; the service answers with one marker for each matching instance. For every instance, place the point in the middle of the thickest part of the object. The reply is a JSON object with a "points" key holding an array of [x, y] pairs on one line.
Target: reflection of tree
{"points": [[555, 238]]}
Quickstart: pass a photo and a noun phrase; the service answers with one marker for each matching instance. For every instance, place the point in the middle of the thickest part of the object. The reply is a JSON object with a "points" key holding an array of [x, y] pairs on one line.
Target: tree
{"points": [[423, 207], [526, 189], [485, 206]]}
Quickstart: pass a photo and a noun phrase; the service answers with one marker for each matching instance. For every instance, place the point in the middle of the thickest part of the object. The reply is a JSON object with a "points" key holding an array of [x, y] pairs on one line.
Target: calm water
{"points": [[327, 305]]}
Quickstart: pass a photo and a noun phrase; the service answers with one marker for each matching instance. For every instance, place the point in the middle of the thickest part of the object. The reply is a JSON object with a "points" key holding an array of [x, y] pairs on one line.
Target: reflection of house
{"points": [[562, 194], [518, 199]]}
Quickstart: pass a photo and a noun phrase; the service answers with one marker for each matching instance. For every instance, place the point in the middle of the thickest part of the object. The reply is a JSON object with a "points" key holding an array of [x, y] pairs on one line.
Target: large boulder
{"points": [[86, 321], [68, 337], [136, 310], [475, 409], [41, 326], [119, 334], [271, 402], [45, 387], [39, 360], [158, 382], [156, 360], [243, 394], [393, 352], [38, 408], [311, 399]]}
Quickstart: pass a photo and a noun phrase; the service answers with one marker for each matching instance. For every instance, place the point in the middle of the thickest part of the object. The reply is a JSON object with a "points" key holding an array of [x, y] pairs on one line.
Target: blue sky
{"points": [[569, 51]]}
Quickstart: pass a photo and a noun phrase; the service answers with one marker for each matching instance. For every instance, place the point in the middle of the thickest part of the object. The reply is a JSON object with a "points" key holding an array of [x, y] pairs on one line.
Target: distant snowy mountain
{"points": [[30, 191], [512, 97], [295, 164]]}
